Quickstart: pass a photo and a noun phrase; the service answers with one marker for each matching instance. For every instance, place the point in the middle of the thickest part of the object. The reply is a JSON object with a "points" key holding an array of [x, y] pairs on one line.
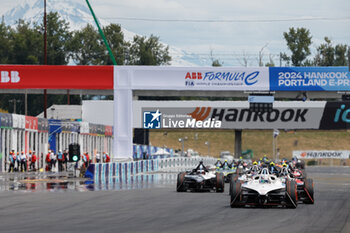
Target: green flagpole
{"points": [[102, 34]]}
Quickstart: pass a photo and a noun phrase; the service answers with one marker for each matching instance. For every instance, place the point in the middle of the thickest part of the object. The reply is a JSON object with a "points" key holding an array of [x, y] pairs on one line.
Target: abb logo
{"points": [[12, 77], [194, 75]]}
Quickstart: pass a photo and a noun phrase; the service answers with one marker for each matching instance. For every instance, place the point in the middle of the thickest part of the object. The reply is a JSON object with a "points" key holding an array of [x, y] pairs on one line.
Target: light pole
{"points": [[182, 140], [208, 144]]}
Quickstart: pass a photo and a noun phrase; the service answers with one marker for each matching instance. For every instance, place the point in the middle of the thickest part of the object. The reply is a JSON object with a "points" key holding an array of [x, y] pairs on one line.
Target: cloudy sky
{"points": [[225, 26]]}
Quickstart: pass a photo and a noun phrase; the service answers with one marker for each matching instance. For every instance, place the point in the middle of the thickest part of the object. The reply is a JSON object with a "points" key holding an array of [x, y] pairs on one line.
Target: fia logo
{"points": [[152, 120]]}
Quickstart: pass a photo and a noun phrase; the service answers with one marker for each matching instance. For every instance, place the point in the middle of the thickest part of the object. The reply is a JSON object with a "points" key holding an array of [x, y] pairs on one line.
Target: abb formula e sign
{"points": [[187, 78], [327, 154], [56, 77]]}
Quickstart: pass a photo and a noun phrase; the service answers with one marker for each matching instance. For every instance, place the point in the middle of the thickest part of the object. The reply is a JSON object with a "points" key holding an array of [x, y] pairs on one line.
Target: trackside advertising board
{"points": [[226, 115], [309, 79], [236, 115], [190, 78], [326, 154]]}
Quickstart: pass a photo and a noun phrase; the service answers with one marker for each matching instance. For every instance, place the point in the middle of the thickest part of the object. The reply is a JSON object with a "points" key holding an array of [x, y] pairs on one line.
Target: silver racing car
{"points": [[263, 189]]}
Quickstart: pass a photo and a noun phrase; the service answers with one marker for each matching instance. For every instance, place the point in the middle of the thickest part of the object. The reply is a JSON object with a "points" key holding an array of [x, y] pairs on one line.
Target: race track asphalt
{"points": [[161, 209]]}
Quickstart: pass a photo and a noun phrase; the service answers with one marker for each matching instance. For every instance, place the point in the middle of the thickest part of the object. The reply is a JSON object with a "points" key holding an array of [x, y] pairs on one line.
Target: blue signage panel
{"points": [[309, 79]]}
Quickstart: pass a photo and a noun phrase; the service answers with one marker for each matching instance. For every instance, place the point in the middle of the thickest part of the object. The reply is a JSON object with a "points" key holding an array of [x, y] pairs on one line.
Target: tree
{"points": [[214, 62], [149, 51], [115, 39], [340, 55], [58, 37], [86, 47], [298, 41], [5, 49], [26, 44], [329, 55]]}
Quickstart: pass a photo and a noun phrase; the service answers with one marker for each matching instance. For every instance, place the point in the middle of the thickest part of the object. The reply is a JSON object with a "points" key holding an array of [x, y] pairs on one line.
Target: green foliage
{"points": [[329, 55], [25, 44], [86, 47], [298, 41], [58, 37], [115, 39], [216, 63], [4, 44], [148, 51]]}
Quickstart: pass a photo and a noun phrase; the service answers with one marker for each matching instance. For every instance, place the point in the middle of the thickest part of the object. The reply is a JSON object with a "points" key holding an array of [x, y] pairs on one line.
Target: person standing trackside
{"points": [[12, 161], [48, 161], [33, 161], [18, 159], [65, 157], [87, 160], [60, 159], [29, 158], [53, 158], [98, 158], [23, 162]]}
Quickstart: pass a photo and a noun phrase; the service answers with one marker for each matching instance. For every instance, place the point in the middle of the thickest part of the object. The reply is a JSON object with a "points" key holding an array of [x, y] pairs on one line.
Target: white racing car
{"points": [[263, 189], [200, 180]]}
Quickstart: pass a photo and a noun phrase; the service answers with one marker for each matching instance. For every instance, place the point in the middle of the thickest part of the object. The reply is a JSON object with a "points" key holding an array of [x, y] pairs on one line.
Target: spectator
{"points": [[23, 162], [12, 161], [33, 161], [18, 159], [53, 159], [60, 159], [48, 161], [87, 159], [65, 157], [98, 158]]}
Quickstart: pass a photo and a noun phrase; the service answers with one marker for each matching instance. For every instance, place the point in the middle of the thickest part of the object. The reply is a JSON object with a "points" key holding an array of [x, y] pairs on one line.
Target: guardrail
{"points": [[105, 172]]}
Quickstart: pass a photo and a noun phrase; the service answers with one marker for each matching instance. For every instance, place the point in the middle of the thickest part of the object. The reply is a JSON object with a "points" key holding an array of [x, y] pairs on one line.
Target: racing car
{"points": [[263, 189], [197, 180], [227, 171], [305, 186]]}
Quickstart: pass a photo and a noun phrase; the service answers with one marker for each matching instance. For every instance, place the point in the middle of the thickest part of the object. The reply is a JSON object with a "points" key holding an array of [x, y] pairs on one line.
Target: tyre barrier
{"points": [[125, 172]]}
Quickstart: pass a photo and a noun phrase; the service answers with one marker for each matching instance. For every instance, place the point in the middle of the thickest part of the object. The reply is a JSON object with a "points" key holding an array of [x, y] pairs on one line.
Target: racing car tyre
{"points": [[220, 182], [180, 180], [292, 195], [309, 189], [235, 191], [234, 178]]}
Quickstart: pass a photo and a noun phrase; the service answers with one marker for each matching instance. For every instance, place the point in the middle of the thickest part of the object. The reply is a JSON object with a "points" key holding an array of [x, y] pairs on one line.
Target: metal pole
{"points": [[45, 57], [102, 35], [26, 103], [68, 97]]}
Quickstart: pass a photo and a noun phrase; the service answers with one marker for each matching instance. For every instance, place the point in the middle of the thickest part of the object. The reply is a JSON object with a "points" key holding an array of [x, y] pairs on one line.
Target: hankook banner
{"points": [[227, 115], [327, 154]]}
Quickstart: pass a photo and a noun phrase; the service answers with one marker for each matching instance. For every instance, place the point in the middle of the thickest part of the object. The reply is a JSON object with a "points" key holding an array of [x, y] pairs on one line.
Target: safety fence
{"points": [[107, 173]]}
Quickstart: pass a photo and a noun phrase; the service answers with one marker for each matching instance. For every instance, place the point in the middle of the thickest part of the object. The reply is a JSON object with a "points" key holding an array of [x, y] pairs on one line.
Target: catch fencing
{"points": [[107, 173]]}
